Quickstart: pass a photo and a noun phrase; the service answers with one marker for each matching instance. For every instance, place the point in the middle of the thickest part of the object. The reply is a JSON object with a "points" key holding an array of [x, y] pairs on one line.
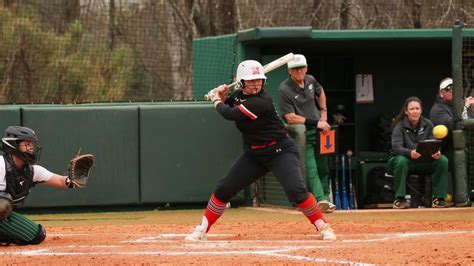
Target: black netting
{"points": [[468, 65], [141, 50]]}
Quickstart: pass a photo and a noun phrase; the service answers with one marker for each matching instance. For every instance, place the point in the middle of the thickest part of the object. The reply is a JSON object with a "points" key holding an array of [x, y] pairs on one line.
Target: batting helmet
{"points": [[13, 135], [250, 70]]}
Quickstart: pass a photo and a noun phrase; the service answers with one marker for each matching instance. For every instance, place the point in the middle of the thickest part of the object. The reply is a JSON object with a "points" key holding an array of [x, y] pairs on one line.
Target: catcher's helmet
{"points": [[250, 70], [13, 135]]}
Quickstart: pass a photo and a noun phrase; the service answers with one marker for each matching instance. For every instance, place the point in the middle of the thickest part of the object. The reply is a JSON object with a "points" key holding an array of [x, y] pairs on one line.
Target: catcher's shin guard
{"points": [[40, 237], [18, 229]]}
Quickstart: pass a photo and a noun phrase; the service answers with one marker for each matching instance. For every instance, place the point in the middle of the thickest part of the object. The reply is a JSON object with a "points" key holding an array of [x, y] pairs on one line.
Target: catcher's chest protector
{"points": [[18, 185]]}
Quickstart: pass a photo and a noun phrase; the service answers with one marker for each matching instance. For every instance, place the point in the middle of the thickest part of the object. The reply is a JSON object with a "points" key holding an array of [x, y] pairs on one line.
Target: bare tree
{"points": [[112, 30], [344, 14], [158, 34]]}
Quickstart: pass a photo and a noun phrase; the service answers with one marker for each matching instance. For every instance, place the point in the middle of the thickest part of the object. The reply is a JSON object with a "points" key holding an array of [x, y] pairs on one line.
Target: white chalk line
{"points": [[67, 234], [276, 254], [406, 235], [271, 251], [154, 239]]}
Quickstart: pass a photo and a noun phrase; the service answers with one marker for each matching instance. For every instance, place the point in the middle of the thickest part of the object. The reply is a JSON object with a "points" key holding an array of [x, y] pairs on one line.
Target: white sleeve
{"points": [[464, 114], [41, 174], [3, 172]]}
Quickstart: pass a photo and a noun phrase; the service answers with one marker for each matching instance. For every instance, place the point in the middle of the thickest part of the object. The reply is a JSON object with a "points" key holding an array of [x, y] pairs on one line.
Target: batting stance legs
{"points": [[282, 160]]}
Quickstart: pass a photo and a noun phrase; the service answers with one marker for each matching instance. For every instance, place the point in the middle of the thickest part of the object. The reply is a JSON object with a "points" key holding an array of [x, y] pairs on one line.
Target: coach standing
{"points": [[297, 97]]}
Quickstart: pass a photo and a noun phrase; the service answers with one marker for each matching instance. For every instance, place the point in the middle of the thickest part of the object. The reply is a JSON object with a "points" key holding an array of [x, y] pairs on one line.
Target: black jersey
{"points": [[255, 117]]}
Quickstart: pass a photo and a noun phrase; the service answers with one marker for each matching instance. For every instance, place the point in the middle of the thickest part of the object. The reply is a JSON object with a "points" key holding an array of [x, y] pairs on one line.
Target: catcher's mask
{"points": [[13, 135]]}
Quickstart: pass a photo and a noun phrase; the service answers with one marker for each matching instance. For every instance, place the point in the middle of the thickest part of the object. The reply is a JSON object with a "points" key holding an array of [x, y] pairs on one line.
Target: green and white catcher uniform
{"points": [[16, 183]]}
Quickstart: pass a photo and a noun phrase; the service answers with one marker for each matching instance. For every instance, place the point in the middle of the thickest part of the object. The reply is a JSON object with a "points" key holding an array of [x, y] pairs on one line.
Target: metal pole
{"points": [[456, 65]]}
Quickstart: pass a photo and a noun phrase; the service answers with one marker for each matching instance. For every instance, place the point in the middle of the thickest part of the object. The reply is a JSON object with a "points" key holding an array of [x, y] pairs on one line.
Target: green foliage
{"points": [[38, 64], [139, 84]]}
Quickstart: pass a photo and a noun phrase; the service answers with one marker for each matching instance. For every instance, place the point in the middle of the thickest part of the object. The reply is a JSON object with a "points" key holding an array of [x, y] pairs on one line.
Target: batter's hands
{"points": [[218, 94], [214, 95], [436, 155], [323, 125], [222, 90], [414, 155]]}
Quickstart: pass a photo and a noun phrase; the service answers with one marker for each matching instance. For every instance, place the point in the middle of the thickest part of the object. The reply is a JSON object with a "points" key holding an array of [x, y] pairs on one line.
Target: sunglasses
{"points": [[448, 88]]}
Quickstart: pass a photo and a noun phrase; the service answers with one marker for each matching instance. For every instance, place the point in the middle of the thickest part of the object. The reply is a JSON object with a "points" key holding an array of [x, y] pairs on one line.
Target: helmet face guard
{"points": [[13, 136]]}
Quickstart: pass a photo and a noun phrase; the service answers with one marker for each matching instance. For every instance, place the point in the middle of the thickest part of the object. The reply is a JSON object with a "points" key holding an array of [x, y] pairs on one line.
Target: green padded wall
{"points": [[111, 133], [9, 116], [184, 151]]}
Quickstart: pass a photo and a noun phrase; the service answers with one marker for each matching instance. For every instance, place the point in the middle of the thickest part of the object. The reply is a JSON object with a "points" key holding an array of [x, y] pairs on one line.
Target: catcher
{"points": [[19, 173]]}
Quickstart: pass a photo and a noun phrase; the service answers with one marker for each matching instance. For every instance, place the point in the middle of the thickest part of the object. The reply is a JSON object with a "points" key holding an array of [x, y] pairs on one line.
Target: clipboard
{"points": [[426, 148]]}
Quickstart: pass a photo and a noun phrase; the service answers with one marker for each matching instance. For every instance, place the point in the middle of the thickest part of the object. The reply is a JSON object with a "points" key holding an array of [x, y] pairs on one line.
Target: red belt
{"points": [[271, 143]]}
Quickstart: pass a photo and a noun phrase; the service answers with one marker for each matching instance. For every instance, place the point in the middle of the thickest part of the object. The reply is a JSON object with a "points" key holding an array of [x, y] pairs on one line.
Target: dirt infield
{"points": [[253, 236]]}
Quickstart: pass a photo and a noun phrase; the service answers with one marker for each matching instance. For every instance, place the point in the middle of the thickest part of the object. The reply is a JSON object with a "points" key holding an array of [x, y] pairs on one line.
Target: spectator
{"points": [[410, 127], [442, 113]]}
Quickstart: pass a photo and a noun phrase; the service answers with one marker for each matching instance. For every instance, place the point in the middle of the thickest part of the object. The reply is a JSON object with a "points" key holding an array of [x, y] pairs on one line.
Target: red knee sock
{"points": [[215, 209], [310, 209]]}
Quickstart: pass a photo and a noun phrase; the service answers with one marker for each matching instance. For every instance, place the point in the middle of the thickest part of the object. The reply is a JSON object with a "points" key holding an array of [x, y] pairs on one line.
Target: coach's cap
{"points": [[446, 84], [298, 61]]}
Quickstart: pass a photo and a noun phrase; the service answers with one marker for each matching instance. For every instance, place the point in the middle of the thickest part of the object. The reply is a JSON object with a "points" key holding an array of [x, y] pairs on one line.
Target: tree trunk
{"points": [[344, 14], [111, 24], [71, 11]]}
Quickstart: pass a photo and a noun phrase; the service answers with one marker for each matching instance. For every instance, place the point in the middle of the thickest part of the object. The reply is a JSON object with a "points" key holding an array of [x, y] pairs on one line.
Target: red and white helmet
{"points": [[250, 70]]}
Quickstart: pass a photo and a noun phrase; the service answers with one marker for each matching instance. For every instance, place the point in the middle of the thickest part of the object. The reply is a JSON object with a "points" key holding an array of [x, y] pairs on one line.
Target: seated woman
{"points": [[410, 127]]}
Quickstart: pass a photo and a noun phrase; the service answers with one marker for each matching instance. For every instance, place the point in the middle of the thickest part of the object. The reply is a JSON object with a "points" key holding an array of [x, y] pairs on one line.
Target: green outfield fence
{"points": [[77, 51]]}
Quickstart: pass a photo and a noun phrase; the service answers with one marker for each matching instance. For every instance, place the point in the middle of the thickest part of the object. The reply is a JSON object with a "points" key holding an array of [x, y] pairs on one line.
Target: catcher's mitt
{"points": [[79, 169]]}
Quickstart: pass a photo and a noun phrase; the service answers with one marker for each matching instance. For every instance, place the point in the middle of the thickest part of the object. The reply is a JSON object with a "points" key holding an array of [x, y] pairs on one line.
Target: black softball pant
{"points": [[282, 159]]}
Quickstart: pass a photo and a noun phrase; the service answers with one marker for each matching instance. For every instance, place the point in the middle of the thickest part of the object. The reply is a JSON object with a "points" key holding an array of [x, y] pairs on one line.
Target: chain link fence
{"points": [[468, 84], [77, 51]]}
